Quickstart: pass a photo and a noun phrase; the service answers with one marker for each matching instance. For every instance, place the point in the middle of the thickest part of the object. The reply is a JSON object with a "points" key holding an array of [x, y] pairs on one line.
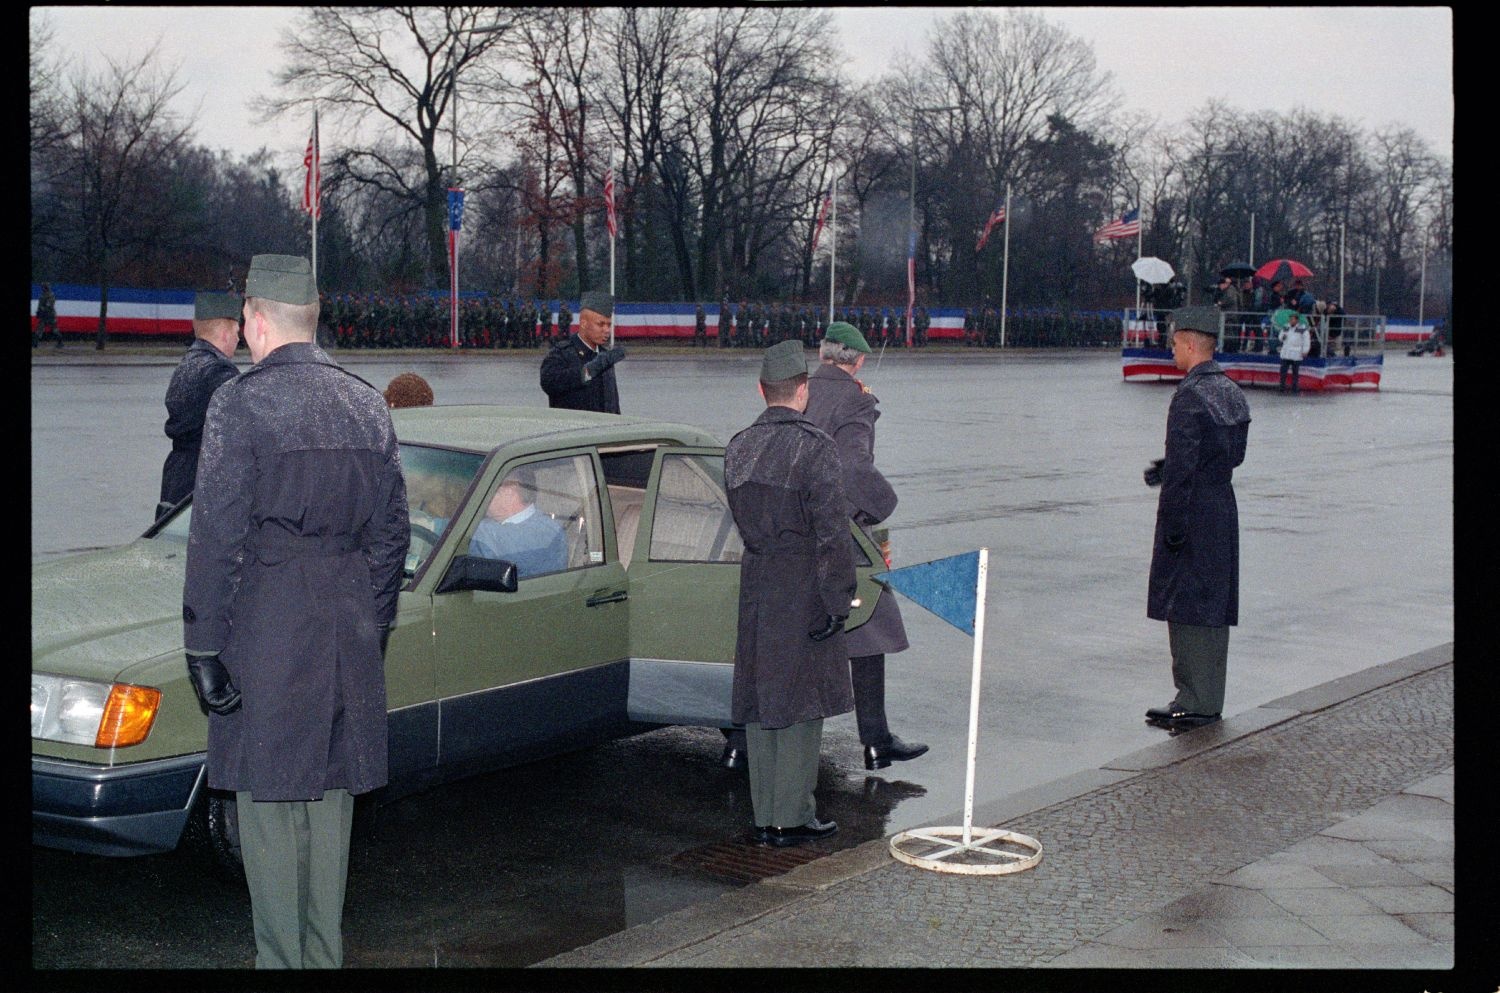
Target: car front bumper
{"points": [[134, 809]]}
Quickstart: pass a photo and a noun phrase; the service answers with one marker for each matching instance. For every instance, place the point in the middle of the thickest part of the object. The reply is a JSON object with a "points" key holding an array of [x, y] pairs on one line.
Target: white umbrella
{"points": [[1151, 270]]}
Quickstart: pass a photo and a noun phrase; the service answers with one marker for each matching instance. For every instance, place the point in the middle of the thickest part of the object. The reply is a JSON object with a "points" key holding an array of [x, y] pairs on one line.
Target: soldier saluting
{"points": [[578, 372]]}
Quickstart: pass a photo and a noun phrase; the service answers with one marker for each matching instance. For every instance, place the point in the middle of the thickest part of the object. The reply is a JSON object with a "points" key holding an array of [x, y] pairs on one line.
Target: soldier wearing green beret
{"points": [[294, 560], [796, 585], [578, 372]]}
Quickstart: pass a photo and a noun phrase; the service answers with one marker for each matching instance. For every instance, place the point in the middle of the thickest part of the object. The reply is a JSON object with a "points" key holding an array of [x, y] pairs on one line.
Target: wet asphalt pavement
{"points": [[1347, 556]]}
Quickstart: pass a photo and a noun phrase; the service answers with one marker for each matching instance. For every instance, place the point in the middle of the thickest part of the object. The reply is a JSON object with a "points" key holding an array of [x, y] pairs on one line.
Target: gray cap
{"points": [[848, 335], [783, 361], [599, 301], [217, 307], [285, 278], [1204, 320]]}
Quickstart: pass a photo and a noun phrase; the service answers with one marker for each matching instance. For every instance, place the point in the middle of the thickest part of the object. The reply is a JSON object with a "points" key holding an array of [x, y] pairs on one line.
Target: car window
{"points": [[692, 522], [436, 481], [544, 517]]}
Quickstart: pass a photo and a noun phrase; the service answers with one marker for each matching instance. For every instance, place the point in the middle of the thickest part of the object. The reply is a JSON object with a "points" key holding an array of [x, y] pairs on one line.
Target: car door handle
{"points": [[599, 599]]}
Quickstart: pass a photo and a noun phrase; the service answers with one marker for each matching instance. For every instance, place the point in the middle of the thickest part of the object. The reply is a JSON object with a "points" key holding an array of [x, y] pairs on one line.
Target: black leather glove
{"points": [[211, 683], [1175, 542], [834, 625], [385, 637], [1152, 475], [606, 358]]}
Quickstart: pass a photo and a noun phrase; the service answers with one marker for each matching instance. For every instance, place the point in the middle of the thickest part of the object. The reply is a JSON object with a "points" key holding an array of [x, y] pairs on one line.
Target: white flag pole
{"points": [[833, 247], [1422, 291], [316, 165], [1005, 267], [984, 568], [612, 251]]}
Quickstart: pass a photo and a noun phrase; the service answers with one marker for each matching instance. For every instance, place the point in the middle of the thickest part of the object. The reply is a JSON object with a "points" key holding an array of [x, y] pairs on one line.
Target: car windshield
{"points": [[436, 481]]}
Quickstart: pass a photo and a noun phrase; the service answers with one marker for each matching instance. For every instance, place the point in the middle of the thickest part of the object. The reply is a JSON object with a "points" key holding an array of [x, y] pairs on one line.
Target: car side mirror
{"points": [[473, 572]]}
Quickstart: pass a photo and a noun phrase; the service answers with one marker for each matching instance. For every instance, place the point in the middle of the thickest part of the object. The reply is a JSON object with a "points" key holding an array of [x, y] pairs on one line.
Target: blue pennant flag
{"points": [[947, 587]]}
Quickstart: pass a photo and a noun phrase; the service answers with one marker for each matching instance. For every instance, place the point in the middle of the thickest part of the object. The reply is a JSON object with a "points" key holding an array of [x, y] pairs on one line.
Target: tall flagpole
{"points": [[611, 208], [833, 247], [317, 167], [1251, 258], [1139, 227], [1005, 267]]}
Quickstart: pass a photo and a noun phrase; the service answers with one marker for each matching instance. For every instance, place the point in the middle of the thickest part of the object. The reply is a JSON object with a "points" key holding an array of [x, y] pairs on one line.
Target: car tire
{"points": [[214, 830]]}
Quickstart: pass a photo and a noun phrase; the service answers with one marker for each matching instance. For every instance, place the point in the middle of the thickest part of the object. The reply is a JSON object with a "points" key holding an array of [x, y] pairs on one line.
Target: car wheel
{"points": [[215, 831]]}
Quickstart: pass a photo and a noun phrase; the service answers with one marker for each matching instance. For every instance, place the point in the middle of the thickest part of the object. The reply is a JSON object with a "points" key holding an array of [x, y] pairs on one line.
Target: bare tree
{"points": [[122, 140], [392, 72]]}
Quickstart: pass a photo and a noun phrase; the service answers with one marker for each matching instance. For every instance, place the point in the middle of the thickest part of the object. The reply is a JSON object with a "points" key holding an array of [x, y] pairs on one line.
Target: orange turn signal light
{"points": [[128, 714]]}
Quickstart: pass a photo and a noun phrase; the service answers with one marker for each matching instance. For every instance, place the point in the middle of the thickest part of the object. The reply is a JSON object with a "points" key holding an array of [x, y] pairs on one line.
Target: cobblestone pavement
{"points": [[1317, 833]]}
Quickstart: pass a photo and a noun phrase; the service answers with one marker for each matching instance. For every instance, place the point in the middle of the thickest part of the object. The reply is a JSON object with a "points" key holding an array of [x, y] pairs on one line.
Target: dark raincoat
{"points": [[786, 495], [845, 409], [562, 379], [1207, 427], [202, 371], [298, 538]]}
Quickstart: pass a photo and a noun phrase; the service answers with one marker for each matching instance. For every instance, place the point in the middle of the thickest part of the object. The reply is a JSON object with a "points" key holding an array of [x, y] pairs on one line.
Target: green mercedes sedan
{"points": [[619, 620]]}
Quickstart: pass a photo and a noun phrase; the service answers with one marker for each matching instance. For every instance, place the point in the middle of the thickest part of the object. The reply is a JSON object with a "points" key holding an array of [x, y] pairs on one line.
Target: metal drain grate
{"points": [[745, 861]]}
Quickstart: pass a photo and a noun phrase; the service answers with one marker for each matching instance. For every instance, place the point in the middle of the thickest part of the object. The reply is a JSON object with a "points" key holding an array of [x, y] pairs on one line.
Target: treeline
{"points": [[725, 127]]}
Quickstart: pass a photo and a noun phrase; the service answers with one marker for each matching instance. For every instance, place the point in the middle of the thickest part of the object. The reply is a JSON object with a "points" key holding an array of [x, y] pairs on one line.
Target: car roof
{"points": [[486, 427]]}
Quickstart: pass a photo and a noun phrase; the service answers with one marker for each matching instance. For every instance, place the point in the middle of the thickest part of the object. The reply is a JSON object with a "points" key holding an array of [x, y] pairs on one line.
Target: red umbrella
{"points": [[1295, 269]]}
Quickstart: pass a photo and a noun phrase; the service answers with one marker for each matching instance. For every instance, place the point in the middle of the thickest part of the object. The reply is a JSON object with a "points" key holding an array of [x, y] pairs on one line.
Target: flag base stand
{"points": [[943, 849]]}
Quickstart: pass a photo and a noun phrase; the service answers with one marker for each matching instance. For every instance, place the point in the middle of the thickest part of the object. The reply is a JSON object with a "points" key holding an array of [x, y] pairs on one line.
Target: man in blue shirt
{"points": [[514, 530]]}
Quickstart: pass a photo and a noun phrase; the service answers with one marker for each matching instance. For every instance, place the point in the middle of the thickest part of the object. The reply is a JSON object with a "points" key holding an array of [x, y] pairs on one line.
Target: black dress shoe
{"points": [[811, 831], [1164, 713], [1187, 722], [896, 750], [734, 758]]}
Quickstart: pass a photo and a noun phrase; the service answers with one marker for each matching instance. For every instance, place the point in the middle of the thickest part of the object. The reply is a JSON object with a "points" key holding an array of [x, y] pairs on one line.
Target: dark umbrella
{"points": [[1236, 270], [1283, 269]]}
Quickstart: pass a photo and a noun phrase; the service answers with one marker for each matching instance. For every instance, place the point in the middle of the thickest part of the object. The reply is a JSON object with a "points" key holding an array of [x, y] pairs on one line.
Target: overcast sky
{"points": [[1373, 65]]}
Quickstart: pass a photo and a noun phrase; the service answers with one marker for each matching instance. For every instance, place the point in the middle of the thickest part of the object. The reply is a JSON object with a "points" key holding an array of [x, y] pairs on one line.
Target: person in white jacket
{"points": [[1296, 342]]}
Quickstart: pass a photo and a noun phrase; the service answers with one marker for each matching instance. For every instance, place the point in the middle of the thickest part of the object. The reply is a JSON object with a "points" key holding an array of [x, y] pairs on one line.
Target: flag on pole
{"points": [[911, 280], [1128, 225], [609, 199], [948, 587], [997, 216], [312, 184], [455, 224], [823, 214]]}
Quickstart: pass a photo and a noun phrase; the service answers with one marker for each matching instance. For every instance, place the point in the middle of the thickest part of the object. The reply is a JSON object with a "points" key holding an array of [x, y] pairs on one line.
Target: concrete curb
{"points": [[647, 942]]}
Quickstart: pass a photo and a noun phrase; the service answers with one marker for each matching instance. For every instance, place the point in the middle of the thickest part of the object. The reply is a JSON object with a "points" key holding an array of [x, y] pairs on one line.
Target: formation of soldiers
{"points": [[759, 325], [388, 320]]}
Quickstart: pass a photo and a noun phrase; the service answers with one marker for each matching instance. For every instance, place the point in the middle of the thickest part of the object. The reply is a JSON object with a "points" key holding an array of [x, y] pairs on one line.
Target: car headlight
{"points": [[85, 712]]}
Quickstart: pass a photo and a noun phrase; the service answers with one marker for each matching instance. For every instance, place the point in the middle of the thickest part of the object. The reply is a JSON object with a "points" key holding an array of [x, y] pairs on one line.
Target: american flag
{"points": [[997, 216], [1127, 226], [312, 185], [609, 199], [822, 215]]}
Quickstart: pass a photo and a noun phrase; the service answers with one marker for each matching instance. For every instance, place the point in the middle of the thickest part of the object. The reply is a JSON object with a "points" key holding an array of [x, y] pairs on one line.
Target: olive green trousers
{"points": [[784, 772], [297, 864]]}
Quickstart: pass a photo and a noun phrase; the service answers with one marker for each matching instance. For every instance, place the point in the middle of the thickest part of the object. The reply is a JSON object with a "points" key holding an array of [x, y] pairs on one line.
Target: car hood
{"points": [[98, 614]]}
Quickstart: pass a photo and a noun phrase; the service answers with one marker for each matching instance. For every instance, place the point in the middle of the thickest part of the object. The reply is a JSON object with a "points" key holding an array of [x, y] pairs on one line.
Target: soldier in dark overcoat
{"points": [[1195, 558], [846, 410], [700, 327], [294, 561], [204, 368], [578, 372], [796, 584]]}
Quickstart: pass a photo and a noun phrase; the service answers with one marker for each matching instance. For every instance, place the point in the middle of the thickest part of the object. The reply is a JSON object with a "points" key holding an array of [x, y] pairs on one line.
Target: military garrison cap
{"points": [[848, 335], [599, 301], [783, 361], [1204, 320], [284, 278], [217, 307]]}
